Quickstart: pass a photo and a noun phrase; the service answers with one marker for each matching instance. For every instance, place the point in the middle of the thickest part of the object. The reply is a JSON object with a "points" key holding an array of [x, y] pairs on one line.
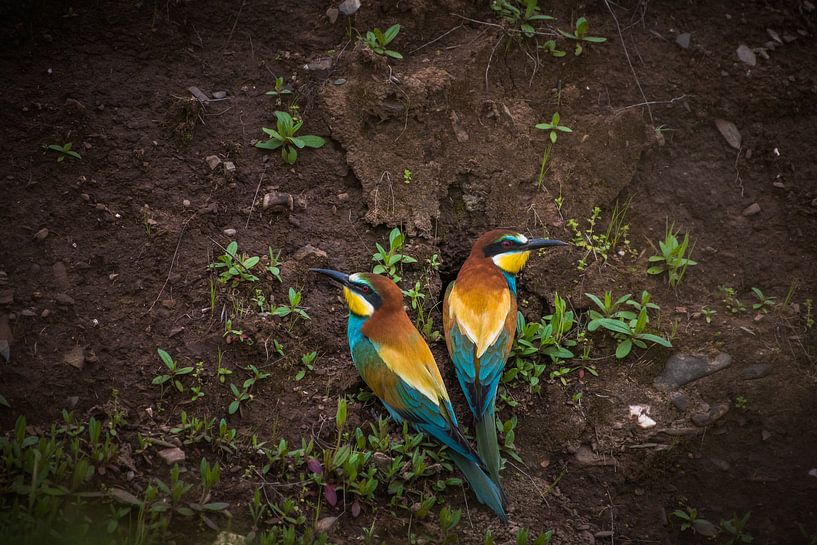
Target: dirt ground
{"points": [[133, 225]]}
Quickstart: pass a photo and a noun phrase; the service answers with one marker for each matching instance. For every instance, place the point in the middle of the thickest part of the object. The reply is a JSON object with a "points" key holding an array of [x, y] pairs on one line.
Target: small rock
{"points": [[756, 371], [730, 132], [280, 200], [746, 55], [45, 313], [212, 161], [774, 35], [751, 210], [325, 524], [90, 357], [172, 455], [186, 203], [61, 275], [332, 14], [29, 313], [765, 435], [339, 81], [309, 250], [229, 167], [200, 96], [717, 412], [230, 232], [6, 297], [680, 400], [705, 528], [349, 7], [41, 234], [603, 534], [64, 299], [683, 368], [175, 331], [75, 357], [585, 456], [723, 465], [319, 64], [683, 40], [788, 38], [343, 197], [219, 94]]}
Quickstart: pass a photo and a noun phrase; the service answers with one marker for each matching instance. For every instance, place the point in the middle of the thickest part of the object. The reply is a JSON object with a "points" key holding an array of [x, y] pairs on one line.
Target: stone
{"points": [[332, 14], [172, 455], [765, 435], [325, 524], [705, 528], [230, 232], [186, 203], [774, 35], [45, 313], [680, 400], [6, 297], [683, 368], [716, 412], [343, 197], [61, 276], [219, 94], [585, 456], [349, 7], [309, 250], [75, 357], [319, 64], [751, 210], [42, 234], [729, 132], [64, 299], [212, 161], [339, 81], [756, 371], [229, 167], [683, 40], [278, 200], [746, 55]]}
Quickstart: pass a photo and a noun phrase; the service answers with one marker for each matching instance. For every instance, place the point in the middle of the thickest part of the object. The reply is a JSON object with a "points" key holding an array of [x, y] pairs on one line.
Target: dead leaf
{"points": [[325, 524]]}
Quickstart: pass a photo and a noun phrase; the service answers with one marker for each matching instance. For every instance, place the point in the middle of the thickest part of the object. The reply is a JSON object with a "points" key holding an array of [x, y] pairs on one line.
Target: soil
{"points": [[132, 226]]}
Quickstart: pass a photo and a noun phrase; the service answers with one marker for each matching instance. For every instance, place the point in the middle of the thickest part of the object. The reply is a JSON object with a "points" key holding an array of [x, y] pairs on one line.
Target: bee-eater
{"points": [[479, 320], [396, 363]]}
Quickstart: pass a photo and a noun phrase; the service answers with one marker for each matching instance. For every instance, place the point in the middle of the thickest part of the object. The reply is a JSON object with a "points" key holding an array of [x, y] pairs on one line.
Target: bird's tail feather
{"points": [[485, 489], [487, 443]]}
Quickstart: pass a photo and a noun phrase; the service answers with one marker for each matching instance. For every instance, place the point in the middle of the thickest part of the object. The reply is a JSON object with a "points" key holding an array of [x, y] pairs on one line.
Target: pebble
{"points": [[683, 40], [45, 313], [715, 413], [756, 371], [75, 357], [172, 455], [219, 94], [28, 312], [680, 400], [349, 7], [6, 297], [343, 197], [229, 167], [683, 368], [585, 456], [278, 200], [186, 203], [230, 232], [339, 81], [41, 234], [746, 55], [751, 210], [61, 275], [321, 63], [332, 14], [309, 250], [765, 435], [212, 161], [64, 299]]}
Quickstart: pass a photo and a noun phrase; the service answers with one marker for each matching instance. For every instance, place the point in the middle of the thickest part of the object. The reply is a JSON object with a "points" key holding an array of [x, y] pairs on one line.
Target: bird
{"points": [[479, 322], [397, 365]]}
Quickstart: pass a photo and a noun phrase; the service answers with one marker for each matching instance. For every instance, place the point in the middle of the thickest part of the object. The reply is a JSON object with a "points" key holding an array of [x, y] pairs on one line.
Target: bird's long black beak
{"points": [[536, 243], [341, 278]]}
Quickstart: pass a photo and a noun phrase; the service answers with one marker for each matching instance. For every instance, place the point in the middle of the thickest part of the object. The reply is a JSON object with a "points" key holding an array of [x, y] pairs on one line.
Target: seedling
{"points": [[174, 372], [377, 40], [579, 34], [292, 309], [388, 261], [674, 258], [763, 303], [741, 402], [809, 315], [523, 537], [708, 313], [592, 242], [736, 530], [550, 47], [522, 14], [274, 265], [280, 88], [239, 397], [64, 151], [308, 363], [630, 332], [554, 127], [609, 308], [507, 429], [691, 521], [731, 300], [424, 322], [235, 268], [448, 521], [232, 335], [285, 138], [406, 176]]}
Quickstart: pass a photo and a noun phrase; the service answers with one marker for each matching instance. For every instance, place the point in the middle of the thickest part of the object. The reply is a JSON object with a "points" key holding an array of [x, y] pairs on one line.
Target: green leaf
{"points": [[391, 34], [543, 126], [624, 348], [297, 142], [655, 270], [595, 39], [216, 506], [233, 407], [527, 30], [616, 326], [381, 38], [284, 118], [393, 54], [270, 144], [312, 141], [4, 402], [251, 262], [655, 339], [553, 137], [161, 379], [289, 154]]}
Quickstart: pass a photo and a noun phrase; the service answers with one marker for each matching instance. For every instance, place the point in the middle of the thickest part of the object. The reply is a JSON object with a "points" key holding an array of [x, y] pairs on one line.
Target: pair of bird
{"points": [[479, 320]]}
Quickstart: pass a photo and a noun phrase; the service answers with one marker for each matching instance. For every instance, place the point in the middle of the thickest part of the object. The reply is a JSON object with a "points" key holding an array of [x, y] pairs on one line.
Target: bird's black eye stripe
{"points": [[501, 246]]}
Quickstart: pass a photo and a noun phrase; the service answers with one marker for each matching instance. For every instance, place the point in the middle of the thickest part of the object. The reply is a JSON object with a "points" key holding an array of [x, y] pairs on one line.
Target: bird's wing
{"points": [[409, 397], [479, 314]]}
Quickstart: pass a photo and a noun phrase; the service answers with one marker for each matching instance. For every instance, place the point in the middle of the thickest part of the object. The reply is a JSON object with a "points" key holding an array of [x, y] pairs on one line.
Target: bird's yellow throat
{"points": [[512, 262], [357, 304]]}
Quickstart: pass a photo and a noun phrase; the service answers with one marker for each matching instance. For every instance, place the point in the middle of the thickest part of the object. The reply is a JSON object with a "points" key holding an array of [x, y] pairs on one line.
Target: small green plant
{"points": [[232, 335], [551, 47], [521, 14], [308, 364], [377, 40], [406, 176], [730, 299], [630, 331], [691, 521], [239, 397], [554, 128], [174, 372], [286, 138], [274, 265], [523, 537], [389, 261], [763, 303], [293, 309], [809, 315], [708, 313], [582, 27], [235, 268], [424, 322], [508, 431], [280, 88], [735, 530], [741, 402], [589, 240], [449, 519], [674, 258], [64, 151]]}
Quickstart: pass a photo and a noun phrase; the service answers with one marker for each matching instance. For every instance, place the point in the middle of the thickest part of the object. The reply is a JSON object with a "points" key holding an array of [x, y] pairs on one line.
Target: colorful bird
{"points": [[479, 320], [396, 363]]}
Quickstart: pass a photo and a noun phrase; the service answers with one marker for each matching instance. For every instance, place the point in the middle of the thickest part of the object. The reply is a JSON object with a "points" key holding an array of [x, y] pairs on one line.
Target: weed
{"points": [[293, 309], [221, 372], [377, 40], [406, 176], [521, 14], [274, 265], [630, 332], [449, 519], [809, 315], [580, 30], [424, 322], [708, 313], [551, 47], [232, 335], [730, 299], [609, 308], [507, 429], [239, 397], [592, 242], [741, 402], [280, 88], [763, 303], [285, 138], [235, 268], [308, 363], [674, 258], [174, 372], [691, 521], [389, 261], [523, 537], [735, 528], [64, 151], [555, 128]]}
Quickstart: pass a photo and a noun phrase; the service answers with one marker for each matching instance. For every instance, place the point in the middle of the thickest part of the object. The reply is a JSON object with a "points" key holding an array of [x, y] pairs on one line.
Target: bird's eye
{"points": [[506, 243], [364, 289]]}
